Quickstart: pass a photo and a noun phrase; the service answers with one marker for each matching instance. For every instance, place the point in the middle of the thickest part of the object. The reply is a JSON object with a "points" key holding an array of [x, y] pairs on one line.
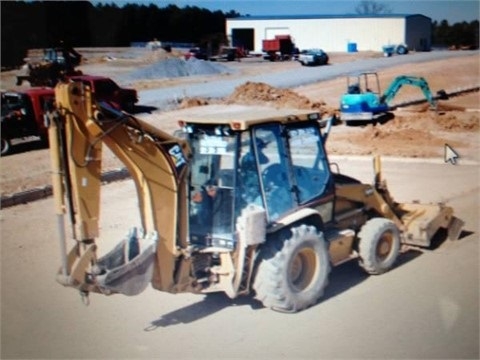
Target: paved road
{"points": [[288, 79], [426, 307]]}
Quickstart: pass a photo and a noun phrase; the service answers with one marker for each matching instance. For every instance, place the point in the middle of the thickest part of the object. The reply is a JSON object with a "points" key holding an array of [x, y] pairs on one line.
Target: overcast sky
{"points": [[451, 10]]}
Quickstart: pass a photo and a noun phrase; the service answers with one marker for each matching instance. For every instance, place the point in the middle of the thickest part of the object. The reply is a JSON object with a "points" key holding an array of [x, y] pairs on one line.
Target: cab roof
{"points": [[241, 117]]}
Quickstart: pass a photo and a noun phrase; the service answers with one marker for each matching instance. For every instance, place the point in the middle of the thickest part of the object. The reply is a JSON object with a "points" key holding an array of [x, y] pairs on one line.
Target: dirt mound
{"points": [[459, 122], [252, 93], [192, 102], [397, 142], [257, 93], [408, 134], [456, 121]]}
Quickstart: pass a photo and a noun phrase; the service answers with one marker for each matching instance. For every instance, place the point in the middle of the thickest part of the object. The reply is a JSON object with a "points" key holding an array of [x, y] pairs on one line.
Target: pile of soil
{"points": [[193, 102], [408, 135], [254, 93], [454, 120], [459, 122]]}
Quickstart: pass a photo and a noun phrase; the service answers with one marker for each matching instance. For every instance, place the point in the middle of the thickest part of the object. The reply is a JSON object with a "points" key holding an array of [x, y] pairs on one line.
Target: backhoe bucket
{"points": [[128, 268], [423, 221]]}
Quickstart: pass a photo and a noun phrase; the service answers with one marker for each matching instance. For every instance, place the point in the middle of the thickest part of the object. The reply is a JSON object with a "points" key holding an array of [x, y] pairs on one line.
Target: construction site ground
{"points": [[415, 131], [427, 306]]}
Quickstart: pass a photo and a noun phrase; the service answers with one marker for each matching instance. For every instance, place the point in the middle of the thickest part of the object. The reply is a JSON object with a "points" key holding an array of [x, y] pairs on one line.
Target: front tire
{"points": [[379, 245], [293, 272]]}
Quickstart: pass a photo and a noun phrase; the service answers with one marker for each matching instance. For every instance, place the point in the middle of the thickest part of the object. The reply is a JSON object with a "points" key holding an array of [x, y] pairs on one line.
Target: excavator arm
{"points": [[157, 163], [400, 81]]}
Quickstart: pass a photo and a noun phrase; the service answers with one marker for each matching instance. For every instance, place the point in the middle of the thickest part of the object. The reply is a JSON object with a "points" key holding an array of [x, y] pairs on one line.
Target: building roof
{"points": [[308, 17]]}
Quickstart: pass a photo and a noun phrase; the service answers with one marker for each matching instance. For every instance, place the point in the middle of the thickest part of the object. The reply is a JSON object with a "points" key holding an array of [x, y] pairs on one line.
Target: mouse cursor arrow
{"points": [[450, 155]]}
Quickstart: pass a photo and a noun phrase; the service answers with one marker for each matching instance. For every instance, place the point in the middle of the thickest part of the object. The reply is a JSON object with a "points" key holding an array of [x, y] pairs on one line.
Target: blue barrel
{"points": [[352, 47]]}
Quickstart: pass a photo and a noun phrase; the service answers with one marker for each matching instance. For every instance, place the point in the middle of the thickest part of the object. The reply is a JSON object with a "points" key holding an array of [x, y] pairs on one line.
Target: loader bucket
{"points": [[128, 268], [422, 221]]}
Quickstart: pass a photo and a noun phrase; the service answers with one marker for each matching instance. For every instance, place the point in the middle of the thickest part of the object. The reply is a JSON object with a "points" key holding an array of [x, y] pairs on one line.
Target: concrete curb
{"points": [[31, 195]]}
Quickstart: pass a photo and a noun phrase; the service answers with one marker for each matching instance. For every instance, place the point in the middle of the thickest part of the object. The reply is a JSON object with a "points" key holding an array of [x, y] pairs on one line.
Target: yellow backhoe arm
{"points": [[157, 162]]}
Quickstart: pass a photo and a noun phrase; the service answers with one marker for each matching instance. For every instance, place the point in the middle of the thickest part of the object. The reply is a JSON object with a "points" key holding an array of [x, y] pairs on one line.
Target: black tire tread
{"points": [[368, 236], [270, 283]]}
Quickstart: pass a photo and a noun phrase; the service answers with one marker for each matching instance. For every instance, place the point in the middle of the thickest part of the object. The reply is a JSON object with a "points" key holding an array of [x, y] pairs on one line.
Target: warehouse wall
{"points": [[334, 34], [418, 34]]}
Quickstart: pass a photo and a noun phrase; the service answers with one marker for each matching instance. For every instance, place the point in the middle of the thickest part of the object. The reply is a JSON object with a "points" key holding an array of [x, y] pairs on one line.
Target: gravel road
{"points": [[287, 79]]}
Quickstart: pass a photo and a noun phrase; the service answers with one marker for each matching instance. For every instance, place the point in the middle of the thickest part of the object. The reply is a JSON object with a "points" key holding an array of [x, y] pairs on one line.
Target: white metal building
{"points": [[333, 32]]}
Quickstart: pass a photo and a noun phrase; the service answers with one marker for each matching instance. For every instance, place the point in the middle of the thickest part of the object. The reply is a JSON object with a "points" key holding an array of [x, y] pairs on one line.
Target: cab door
{"points": [[310, 170], [293, 169]]}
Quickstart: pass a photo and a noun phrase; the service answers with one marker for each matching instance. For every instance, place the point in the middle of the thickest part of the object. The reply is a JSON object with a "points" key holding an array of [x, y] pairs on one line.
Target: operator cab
{"points": [[277, 165], [362, 98]]}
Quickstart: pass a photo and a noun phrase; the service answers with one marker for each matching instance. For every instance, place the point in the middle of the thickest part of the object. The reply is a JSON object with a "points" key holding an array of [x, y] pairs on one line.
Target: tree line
{"points": [[458, 35], [40, 24]]}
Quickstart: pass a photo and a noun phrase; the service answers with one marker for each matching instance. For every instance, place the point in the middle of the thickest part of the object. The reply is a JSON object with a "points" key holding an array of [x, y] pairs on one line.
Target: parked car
{"points": [[197, 53], [313, 57], [228, 54], [105, 89]]}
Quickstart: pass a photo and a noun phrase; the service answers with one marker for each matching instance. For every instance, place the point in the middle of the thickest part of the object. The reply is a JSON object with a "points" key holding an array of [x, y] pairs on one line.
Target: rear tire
{"points": [[5, 146], [402, 50], [379, 245], [293, 272]]}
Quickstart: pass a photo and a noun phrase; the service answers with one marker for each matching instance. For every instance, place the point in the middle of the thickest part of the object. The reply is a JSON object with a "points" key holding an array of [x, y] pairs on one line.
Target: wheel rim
{"points": [[302, 269], [384, 246]]}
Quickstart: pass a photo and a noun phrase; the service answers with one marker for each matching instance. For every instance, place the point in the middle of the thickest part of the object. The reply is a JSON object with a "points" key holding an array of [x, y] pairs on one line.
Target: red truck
{"points": [[279, 48], [105, 89], [22, 111], [22, 114]]}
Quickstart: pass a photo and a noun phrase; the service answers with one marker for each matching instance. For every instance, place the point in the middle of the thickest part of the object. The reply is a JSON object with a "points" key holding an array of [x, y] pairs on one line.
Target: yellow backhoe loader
{"points": [[245, 201]]}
